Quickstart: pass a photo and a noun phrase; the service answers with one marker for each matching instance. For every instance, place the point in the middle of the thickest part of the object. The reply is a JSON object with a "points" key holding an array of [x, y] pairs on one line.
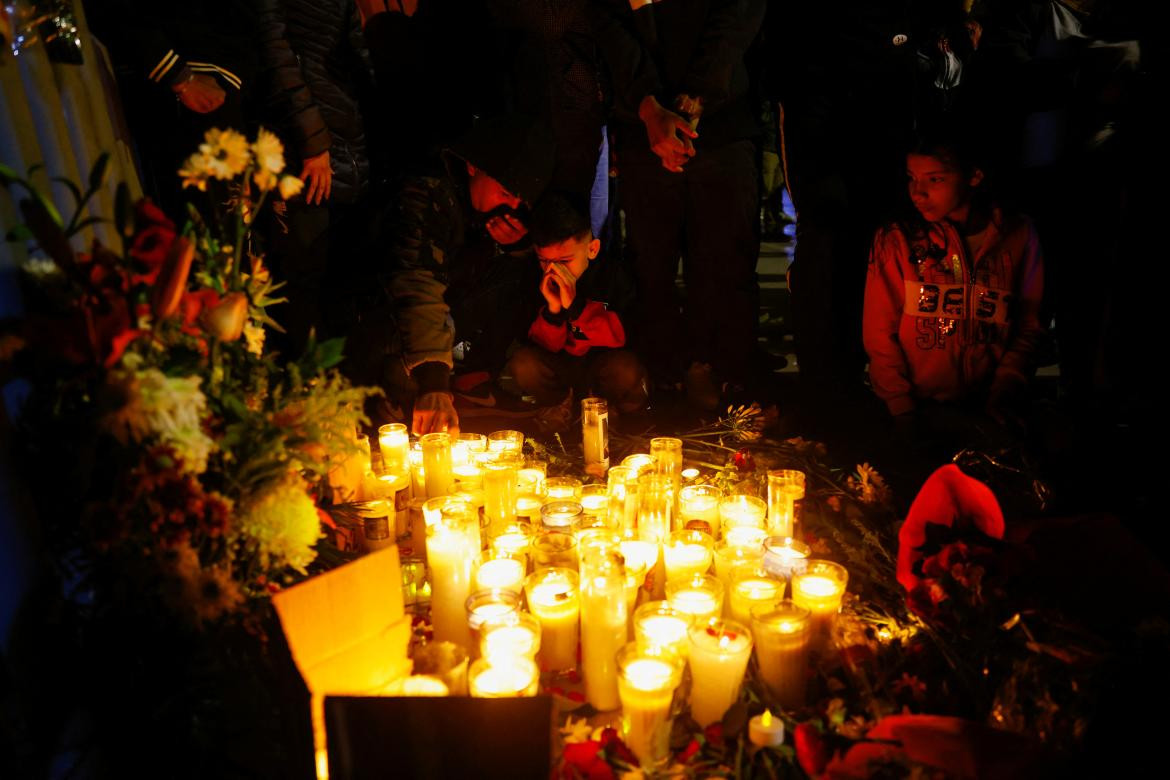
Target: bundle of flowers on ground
{"points": [[164, 447]]}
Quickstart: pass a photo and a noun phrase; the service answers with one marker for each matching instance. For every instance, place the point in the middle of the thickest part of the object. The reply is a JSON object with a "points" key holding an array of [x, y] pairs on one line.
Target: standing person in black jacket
{"points": [[677, 65], [318, 80]]}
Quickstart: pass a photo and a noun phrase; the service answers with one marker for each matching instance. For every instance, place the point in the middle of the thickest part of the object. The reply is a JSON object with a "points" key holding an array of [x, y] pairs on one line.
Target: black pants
{"points": [[706, 215]]}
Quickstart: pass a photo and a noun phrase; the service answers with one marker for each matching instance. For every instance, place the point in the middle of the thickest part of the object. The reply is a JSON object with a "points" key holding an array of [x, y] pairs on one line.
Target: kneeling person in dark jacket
{"points": [[576, 337]]}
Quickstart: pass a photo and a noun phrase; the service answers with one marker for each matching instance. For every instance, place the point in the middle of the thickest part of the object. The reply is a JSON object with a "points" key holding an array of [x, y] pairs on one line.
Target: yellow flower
{"points": [[269, 153], [254, 338], [281, 526], [226, 152], [265, 180], [194, 171], [290, 186]]}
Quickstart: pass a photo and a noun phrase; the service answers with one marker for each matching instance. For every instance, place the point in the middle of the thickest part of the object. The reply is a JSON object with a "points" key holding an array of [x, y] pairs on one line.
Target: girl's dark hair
{"points": [[557, 218], [952, 144]]}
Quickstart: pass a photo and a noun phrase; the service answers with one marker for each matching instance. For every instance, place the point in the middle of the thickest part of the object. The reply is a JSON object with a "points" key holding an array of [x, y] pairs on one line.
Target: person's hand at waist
{"points": [[670, 135], [318, 177]]}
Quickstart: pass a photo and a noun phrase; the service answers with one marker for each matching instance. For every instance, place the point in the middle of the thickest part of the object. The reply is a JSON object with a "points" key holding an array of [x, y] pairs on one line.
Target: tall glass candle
{"points": [[698, 507], [560, 515], [500, 571], [820, 588], [554, 549], [687, 553], [640, 462], [514, 541], [785, 556], [503, 678], [700, 596], [622, 486], [499, 492], [436, 449], [528, 508], [751, 589], [655, 506], [718, 658], [603, 627], [668, 461], [657, 624], [731, 558], [553, 597], [595, 435], [648, 677], [511, 442], [452, 552], [394, 442], [418, 474], [484, 605], [563, 489], [785, 488], [515, 635], [782, 633], [739, 511]]}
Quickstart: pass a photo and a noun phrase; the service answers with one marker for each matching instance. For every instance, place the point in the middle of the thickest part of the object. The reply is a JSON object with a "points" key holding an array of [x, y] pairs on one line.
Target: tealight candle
{"points": [[647, 680], [766, 731], [595, 435], [782, 633], [511, 677], [553, 597], [742, 510], [687, 553], [698, 507], [452, 551], [751, 589], [658, 624], [785, 556], [394, 442], [554, 548], [484, 605], [506, 442], [499, 492], [700, 596], [820, 588], [731, 558], [719, 653], [513, 635], [603, 626], [500, 572], [785, 488], [563, 489], [560, 515], [416, 685]]}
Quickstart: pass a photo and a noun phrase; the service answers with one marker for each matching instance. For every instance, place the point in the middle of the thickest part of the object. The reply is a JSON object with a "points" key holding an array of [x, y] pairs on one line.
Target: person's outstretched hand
{"points": [[435, 413], [200, 93], [506, 229], [670, 135], [318, 177]]}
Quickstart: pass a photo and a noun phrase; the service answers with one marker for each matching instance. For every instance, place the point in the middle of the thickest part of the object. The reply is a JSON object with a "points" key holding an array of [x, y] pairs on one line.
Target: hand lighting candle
{"points": [[718, 659], [553, 598], [820, 588], [648, 677], [782, 633]]}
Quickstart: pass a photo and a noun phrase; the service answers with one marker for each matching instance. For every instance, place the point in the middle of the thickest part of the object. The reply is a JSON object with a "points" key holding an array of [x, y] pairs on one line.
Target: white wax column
{"points": [[499, 493], [647, 688], [604, 631], [452, 552], [595, 435], [753, 590], [394, 442], [553, 598], [506, 573], [718, 658], [686, 560], [436, 449]]}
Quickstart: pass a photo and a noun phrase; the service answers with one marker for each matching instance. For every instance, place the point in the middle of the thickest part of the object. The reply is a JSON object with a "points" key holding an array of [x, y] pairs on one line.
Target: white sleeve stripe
{"points": [[165, 64], [208, 67]]}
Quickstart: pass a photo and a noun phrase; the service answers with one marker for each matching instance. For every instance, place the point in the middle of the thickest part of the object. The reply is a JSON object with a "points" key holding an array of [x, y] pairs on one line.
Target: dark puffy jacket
{"points": [[317, 69]]}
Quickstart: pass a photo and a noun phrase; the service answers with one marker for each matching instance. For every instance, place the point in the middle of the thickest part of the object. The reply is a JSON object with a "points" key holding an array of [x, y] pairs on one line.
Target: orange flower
{"points": [[225, 320], [171, 281]]}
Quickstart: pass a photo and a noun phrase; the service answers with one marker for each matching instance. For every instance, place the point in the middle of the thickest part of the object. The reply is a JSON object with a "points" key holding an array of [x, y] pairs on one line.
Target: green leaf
{"points": [[83, 224], [19, 233], [8, 176], [74, 190], [34, 168], [97, 175], [49, 208], [330, 353]]}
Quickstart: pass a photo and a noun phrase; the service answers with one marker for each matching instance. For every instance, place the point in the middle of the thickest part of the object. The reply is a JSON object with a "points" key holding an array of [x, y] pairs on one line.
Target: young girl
{"points": [[952, 298]]}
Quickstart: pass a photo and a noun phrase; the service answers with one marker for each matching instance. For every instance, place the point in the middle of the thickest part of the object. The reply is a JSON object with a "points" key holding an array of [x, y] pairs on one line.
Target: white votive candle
{"points": [[766, 731], [700, 596], [647, 680], [820, 588], [687, 553], [750, 589], [553, 599], [718, 659], [503, 678], [495, 572]]}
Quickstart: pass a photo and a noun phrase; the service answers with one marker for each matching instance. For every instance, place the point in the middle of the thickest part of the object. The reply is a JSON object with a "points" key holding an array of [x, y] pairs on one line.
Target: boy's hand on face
{"points": [[551, 291], [506, 229], [559, 284]]}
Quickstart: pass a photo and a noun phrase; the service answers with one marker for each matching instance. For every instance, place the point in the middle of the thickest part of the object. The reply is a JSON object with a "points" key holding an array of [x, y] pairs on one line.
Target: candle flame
{"points": [[724, 641], [766, 719]]}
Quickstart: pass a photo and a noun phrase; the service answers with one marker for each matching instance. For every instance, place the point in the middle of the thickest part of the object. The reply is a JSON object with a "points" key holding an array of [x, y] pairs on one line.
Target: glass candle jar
{"points": [[700, 596], [436, 448], [554, 549], [698, 507], [658, 624], [500, 571], [554, 598], [394, 443], [647, 679], [785, 556], [563, 489], [603, 626], [503, 678], [560, 515], [499, 492], [785, 488], [750, 589], [820, 589], [595, 435], [515, 635], [655, 507], [740, 511], [719, 653], [484, 605], [622, 486], [595, 503], [782, 634], [687, 553], [452, 553]]}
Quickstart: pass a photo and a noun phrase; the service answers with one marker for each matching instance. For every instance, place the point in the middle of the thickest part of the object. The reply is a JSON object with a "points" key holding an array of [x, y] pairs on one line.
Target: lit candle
{"points": [[515, 635], [785, 556], [668, 461], [553, 598], [701, 596], [395, 488], [595, 435], [622, 487], [782, 635], [595, 502], [820, 588], [472, 445], [452, 552], [500, 572], [505, 678], [528, 508], [554, 549], [603, 626], [687, 553], [468, 476], [484, 605], [418, 474], [698, 506], [731, 558], [418, 528], [346, 477], [751, 589], [394, 442], [563, 489], [513, 541], [506, 442], [785, 488], [530, 479], [640, 462], [560, 515], [690, 475], [766, 731], [644, 554], [655, 507], [736, 511], [499, 492], [416, 685], [658, 624], [745, 536], [647, 681], [436, 448], [718, 659]]}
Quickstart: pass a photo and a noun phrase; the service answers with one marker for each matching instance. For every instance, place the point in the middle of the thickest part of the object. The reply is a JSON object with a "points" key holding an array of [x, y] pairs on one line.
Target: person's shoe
{"points": [[702, 390]]}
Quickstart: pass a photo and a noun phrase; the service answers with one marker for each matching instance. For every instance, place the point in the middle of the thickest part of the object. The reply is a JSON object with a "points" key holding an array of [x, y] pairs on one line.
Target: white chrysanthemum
{"points": [[226, 153], [254, 338], [281, 526], [290, 186], [269, 152], [195, 171], [170, 409]]}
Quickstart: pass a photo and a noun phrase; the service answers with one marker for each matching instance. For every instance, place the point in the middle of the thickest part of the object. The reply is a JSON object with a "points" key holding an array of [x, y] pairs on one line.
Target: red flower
{"points": [[811, 752], [614, 746], [947, 495], [743, 461], [152, 241], [714, 734], [689, 751], [923, 599], [584, 760]]}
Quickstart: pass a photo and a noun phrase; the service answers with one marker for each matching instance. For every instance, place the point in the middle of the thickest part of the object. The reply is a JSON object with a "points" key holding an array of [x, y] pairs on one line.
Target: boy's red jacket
{"points": [[941, 325], [579, 328]]}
